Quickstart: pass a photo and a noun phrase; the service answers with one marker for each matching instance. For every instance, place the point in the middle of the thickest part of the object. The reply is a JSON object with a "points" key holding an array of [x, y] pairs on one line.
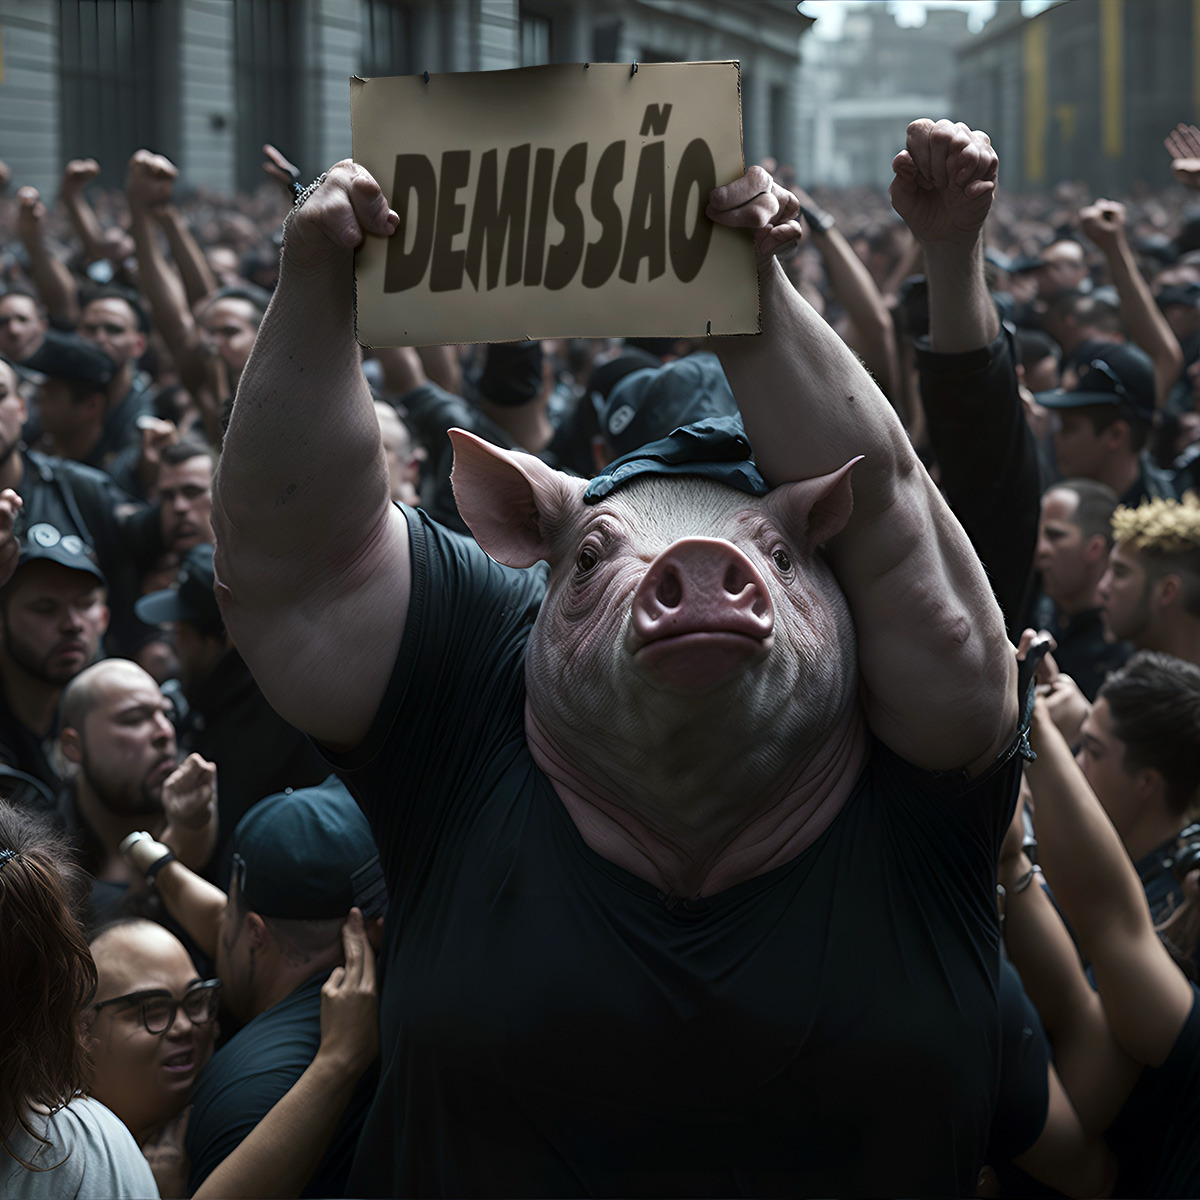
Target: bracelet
{"points": [[819, 221], [301, 195], [157, 865]]}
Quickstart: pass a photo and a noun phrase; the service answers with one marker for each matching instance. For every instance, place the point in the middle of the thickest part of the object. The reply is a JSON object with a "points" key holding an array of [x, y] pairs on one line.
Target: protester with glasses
{"points": [[151, 1031]]}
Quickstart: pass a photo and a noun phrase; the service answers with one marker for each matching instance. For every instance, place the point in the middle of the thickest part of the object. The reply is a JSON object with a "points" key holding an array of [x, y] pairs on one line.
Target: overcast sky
{"points": [[908, 12]]}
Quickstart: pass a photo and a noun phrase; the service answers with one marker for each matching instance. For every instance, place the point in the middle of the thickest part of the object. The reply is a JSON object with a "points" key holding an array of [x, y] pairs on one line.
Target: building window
{"points": [[110, 58], [387, 39], [266, 45], [535, 39]]}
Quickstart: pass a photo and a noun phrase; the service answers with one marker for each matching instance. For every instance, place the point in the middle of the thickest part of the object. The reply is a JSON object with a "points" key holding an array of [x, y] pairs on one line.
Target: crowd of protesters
{"points": [[190, 904]]}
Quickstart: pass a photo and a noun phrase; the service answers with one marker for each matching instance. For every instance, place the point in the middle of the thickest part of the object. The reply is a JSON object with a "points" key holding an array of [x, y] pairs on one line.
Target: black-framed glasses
{"points": [[157, 1009]]}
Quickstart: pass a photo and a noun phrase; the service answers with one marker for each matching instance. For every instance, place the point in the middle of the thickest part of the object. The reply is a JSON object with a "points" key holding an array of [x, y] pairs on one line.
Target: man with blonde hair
{"points": [[1150, 593]]}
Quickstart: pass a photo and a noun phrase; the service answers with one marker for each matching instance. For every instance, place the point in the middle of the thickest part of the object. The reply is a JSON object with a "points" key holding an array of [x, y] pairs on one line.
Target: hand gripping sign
{"points": [[563, 201]]}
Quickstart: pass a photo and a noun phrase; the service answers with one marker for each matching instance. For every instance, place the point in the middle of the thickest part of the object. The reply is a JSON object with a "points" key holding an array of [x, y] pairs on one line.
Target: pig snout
{"points": [[701, 613]]}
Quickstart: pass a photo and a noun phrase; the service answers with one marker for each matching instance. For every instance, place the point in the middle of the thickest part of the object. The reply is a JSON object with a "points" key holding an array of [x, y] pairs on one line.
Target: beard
{"points": [[122, 797]]}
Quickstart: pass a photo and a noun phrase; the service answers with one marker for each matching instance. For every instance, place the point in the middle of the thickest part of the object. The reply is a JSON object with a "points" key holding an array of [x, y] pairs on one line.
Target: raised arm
{"points": [[197, 276], [53, 280], [1145, 995], [855, 289], [1104, 223], [968, 375], [926, 619], [312, 557], [78, 173]]}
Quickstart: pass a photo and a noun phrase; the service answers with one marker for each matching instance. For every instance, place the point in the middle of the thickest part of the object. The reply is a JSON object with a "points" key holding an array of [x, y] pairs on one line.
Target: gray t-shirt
{"points": [[91, 1154]]}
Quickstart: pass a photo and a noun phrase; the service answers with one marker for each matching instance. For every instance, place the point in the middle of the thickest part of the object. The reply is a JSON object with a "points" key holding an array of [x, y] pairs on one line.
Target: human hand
{"points": [[157, 435], [78, 173], [279, 167], [349, 1004], [334, 220], [189, 794], [10, 548], [31, 215], [1183, 145], [1104, 223], [150, 181], [5, 175], [945, 180], [758, 203]]}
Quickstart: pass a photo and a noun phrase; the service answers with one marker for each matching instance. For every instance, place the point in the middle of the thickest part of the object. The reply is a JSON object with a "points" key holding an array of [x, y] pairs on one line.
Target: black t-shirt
{"points": [[554, 1025], [251, 1073]]}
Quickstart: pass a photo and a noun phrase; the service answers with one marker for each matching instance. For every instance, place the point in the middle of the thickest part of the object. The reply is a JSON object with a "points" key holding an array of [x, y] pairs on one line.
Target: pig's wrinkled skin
{"points": [[693, 649]]}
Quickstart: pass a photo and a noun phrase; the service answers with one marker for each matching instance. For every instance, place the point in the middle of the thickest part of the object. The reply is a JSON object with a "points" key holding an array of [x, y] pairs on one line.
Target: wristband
{"points": [[157, 865]]}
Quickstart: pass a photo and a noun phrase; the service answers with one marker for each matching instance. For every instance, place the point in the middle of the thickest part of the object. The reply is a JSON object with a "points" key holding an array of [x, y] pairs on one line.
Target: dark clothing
{"points": [[1164, 893], [1082, 650], [1024, 1099], [256, 751], [988, 461], [120, 444], [1153, 483], [126, 537], [251, 1073], [1154, 1137], [554, 1025], [22, 748], [433, 412]]}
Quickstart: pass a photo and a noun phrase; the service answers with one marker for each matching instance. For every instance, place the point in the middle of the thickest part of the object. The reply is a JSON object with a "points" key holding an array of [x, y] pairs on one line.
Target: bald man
{"points": [[116, 726]]}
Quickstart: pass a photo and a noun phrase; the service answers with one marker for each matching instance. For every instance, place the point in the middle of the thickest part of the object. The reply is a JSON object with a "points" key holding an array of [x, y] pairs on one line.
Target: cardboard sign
{"points": [[563, 201]]}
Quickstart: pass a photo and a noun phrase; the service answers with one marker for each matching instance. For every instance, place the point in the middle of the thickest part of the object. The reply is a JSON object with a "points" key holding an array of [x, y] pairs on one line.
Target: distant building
{"points": [[1085, 90], [207, 82], [860, 91]]}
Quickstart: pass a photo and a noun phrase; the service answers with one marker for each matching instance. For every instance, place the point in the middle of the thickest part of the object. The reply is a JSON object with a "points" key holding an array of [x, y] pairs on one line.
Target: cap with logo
{"points": [[47, 542]]}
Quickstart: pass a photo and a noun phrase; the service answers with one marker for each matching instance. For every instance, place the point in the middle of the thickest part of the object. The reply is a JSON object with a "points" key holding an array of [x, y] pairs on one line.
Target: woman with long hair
{"points": [[54, 1141]]}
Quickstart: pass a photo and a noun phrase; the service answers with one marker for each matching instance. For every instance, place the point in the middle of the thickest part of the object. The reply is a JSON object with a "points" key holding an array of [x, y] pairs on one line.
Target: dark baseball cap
{"points": [[70, 357], [1109, 373], [47, 542], [308, 855], [646, 405], [192, 599]]}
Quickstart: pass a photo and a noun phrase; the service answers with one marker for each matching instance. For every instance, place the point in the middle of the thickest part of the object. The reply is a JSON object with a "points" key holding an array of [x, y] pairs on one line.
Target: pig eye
{"points": [[587, 559], [781, 560]]}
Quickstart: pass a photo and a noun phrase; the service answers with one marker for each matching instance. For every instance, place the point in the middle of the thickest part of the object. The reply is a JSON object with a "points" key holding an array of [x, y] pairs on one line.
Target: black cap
{"points": [[512, 374], [647, 405], [192, 599], [308, 855], [70, 357], [45, 541], [1109, 373]]}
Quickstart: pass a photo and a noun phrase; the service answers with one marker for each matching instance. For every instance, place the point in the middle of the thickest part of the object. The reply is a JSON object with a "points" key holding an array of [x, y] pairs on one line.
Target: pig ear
{"points": [[510, 501], [813, 510]]}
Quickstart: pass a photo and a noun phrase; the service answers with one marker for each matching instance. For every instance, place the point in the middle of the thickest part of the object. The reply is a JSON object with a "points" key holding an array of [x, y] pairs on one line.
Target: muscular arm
{"points": [[926, 619], [311, 556], [1145, 996]]}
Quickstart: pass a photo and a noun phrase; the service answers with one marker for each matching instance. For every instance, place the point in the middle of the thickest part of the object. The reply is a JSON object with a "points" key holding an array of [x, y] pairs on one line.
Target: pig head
{"points": [[693, 642]]}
